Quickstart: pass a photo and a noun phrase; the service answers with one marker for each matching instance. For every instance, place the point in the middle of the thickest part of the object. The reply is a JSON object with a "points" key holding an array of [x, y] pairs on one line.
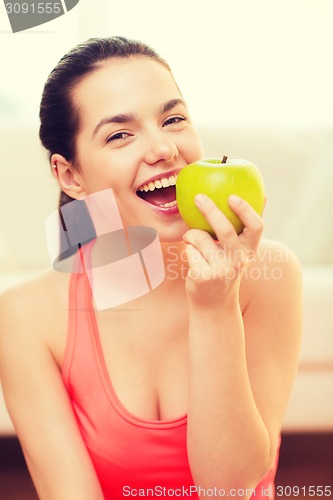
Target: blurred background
{"points": [[258, 79]]}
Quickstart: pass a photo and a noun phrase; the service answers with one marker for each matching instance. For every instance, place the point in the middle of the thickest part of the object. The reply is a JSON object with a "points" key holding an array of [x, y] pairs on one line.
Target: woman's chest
{"points": [[146, 358]]}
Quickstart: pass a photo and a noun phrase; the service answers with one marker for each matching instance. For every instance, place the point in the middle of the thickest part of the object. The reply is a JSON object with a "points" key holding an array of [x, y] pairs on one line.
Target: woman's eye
{"points": [[118, 136], [174, 119]]}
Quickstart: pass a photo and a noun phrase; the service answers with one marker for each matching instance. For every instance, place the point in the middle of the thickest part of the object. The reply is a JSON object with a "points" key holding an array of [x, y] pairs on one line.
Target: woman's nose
{"points": [[160, 148]]}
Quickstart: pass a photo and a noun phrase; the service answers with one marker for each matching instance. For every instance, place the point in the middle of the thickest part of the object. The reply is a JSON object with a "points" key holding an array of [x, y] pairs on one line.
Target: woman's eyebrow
{"points": [[169, 105], [121, 118], [130, 117]]}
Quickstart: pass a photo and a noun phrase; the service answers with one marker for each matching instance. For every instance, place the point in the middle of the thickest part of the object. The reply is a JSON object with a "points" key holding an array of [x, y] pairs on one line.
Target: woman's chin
{"points": [[172, 234], [170, 229]]}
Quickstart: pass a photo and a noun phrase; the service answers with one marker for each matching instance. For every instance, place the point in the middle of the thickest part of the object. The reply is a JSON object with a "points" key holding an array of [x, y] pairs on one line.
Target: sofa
{"points": [[297, 166]]}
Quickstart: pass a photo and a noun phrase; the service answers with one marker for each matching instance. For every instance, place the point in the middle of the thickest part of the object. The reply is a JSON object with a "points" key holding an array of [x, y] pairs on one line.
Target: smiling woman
{"points": [[183, 389], [124, 140], [106, 143]]}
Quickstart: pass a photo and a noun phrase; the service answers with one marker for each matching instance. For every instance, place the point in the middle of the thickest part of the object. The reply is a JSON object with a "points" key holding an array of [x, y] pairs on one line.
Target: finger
{"points": [[201, 271], [197, 264], [253, 222], [216, 257], [204, 243], [221, 225]]}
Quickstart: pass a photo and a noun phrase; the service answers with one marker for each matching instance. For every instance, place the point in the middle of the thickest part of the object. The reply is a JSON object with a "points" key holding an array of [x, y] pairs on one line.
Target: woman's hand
{"points": [[216, 268]]}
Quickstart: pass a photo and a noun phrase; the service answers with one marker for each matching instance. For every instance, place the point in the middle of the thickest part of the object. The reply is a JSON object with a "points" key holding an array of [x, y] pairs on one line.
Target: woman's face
{"points": [[135, 136]]}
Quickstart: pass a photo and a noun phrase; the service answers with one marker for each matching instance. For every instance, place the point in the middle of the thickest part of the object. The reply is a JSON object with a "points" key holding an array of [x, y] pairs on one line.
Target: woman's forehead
{"points": [[126, 82], [124, 85]]}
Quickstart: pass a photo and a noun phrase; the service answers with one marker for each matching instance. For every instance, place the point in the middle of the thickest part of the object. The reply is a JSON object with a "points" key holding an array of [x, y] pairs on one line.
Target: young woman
{"points": [[180, 392]]}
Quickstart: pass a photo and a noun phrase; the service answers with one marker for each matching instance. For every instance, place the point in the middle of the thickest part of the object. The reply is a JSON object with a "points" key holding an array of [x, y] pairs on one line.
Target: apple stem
{"points": [[224, 159]]}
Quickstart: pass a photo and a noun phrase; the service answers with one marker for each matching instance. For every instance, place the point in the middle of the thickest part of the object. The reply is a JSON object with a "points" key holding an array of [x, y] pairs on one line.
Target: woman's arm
{"points": [[241, 365], [39, 406]]}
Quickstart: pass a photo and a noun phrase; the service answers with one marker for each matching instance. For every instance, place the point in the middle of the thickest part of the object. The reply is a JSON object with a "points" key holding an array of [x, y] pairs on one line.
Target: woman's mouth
{"points": [[160, 192]]}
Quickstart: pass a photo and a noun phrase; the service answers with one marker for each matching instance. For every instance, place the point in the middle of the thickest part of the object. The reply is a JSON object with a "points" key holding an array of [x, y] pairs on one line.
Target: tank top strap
{"points": [[80, 351]]}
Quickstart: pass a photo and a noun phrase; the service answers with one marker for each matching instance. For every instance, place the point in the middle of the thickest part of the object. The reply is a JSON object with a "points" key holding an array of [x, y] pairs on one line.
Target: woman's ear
{"points": [[68, 177]]}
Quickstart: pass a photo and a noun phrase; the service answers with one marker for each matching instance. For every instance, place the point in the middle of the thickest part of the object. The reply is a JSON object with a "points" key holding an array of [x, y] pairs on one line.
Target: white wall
{"points": [[242, 61], [238, 62]]}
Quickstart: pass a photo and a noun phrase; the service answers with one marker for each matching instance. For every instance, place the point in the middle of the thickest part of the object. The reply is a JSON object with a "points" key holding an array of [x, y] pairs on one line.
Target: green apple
{"points": [[218, 180]]}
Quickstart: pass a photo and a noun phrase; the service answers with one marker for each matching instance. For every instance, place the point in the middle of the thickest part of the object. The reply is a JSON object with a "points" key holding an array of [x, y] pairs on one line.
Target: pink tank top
{"points": [[132, 456]]}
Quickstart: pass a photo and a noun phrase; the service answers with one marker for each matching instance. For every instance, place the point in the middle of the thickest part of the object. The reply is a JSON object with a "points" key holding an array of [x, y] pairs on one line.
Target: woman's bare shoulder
{"points": [[273, 261], [275, 251], [35, 306], [45, 289], [274, 269]]}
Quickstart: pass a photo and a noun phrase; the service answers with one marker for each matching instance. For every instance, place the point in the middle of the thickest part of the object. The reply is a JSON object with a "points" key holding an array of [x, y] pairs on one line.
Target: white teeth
{"points": [[159, 183], [170, 204]]}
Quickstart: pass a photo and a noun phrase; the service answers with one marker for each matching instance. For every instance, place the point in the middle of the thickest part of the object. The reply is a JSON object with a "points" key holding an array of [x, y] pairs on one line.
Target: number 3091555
{"points": [[303, 491], [34, 8]]}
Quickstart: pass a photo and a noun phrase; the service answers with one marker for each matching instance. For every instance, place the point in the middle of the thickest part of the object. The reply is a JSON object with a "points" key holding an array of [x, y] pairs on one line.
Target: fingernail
{"points": [[200, 199], [233, 198]]}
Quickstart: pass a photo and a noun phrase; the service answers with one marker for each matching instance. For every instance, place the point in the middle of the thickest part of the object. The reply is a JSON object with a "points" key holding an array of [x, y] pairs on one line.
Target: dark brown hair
{"points": [[59, 120]]}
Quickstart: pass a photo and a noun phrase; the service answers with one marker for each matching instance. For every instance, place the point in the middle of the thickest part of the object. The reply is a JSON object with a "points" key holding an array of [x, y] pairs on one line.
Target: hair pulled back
{"points": [[59, 120]]}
